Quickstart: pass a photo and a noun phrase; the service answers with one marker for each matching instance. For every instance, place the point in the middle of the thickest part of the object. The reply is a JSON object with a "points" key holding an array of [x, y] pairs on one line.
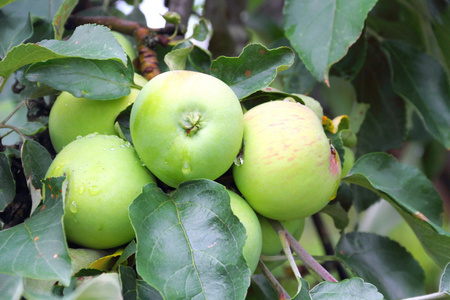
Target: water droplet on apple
{"points": [[81, 189], [59, 167], [94, 190], [78, 137], [104, 148], [238, 161], [73, 207], [112, 149], [186, 168]]}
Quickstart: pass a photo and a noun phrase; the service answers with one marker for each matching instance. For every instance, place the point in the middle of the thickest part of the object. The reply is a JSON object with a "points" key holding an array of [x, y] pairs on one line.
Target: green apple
{"points": [[71, 117], [186, 125], [290, 170], [126, 44], [271, 241], [349, 161], [248, 218], [104, 175]]}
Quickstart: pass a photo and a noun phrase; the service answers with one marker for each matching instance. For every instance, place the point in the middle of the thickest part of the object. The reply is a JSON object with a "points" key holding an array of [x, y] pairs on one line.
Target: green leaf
{"points": [[199, 60], [133, 288], [176, 59], [61, 17], [411, 194], [348, 289], [362, 197], [128, 283], [340, 96], [261, 288], [350, 65], [338, 214], [297, 79], [122, 124], [399, 276], [444, 285], [357, 116], [145, 291], [11, 287], [103, 286], [303, 294], [88, 41], [322, 31], [265, 95], [35, 161], [384, 125], [189, 243], [15, 30], [254, 69], [129, 250], [37, 289], [5, 2], [32, 128], [37, 248], [421, 80], [92, 79], [7, 183], [200, 30], [442, 33], [82, 258]]}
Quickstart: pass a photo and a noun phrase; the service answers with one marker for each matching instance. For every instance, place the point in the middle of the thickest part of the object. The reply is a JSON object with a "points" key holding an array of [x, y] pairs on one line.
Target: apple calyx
{"points": [[191, 122]]}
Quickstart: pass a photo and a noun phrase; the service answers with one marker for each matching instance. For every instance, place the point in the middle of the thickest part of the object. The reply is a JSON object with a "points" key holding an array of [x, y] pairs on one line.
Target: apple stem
{"points": [[287, 251], [304, 256], [273, 281]]}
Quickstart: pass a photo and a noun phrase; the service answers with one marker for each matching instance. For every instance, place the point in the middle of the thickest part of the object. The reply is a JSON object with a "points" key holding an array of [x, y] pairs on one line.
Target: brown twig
{"points": [[113, 23]]}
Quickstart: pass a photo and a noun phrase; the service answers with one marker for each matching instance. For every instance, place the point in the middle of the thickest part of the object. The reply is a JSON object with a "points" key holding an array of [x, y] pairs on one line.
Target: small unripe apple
{"points": [[71, 117], [271, 244], [248, 218], [104, 175], [290, 170], [126, 44], [349, 161], [186, 125]]}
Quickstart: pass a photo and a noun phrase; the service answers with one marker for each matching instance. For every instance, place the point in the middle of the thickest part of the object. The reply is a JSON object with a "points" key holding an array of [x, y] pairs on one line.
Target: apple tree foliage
{"points": [[380, 69]]}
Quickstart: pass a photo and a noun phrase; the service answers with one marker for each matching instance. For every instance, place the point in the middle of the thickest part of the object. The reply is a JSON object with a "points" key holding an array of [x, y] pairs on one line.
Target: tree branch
{"points": [[307, 259], [273, 281]]}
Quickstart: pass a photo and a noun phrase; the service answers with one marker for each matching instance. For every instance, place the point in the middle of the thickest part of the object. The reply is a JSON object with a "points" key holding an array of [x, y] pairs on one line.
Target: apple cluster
{"points": [[187, 125]]}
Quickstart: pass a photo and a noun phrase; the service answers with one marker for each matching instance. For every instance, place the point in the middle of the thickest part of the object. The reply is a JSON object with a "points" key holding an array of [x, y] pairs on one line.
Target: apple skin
{"points": [[171, 141], [71, 117], [349, 161], [104, 175], [126, 44], [248, 218], [271, 242], [290, 170]]}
